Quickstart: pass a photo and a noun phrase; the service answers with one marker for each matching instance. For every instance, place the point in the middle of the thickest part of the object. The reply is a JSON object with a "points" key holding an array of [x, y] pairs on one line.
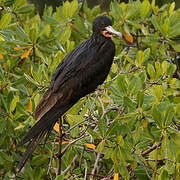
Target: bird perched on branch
{"points": [[79, 74]]}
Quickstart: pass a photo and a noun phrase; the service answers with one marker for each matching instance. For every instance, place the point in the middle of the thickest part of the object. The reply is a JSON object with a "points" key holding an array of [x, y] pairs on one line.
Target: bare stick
{"points": [[76, 125], [70, 166], [95, 166], [104, 111], [59, 147], [85, 173], [52, 154], [151, 149], [72, 142]]}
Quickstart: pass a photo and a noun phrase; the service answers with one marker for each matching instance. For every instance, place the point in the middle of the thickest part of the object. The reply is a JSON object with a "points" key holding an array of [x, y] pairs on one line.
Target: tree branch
{"points": [[95, 166], [70, 166], [59, 147]]}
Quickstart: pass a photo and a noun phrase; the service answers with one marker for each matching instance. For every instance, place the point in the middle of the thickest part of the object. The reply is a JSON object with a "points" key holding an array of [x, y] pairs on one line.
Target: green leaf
{"points": [[165, 29], [157, 116], [164, 66], [120, 140], [116, 10], [20, 31], [100, 146], [171, 8], [60, 177], [155, 23], [178, 109], [140, 98], [171, 69], [30, 79], [151, 71], [164, 175], [122, 84], [50, 20], [13, 103], [26, 9], [176, 47], [129, 103], [5, 20], [19, 3], [139, 58], [147, 54], [145, 8], [158, 69], [74, 7], [113, 128], [138, 133], [72, 119], [176, 138], [143, 76], [124, 171], [102, 127], [158, 91], [66, 9], [39, 160], [65, 35], [94, 134], [168, 115]]}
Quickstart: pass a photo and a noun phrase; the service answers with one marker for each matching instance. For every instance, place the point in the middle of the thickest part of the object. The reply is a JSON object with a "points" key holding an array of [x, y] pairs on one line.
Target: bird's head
{"points": [[103, 25]]}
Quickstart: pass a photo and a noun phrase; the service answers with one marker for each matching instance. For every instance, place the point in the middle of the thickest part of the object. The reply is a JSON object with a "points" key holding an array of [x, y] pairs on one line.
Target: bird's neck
{"points": [[99, 38]]}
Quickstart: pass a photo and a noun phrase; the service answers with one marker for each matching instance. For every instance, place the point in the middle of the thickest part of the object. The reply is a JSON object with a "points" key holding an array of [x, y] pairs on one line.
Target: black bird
{"points": [[79, 74]]}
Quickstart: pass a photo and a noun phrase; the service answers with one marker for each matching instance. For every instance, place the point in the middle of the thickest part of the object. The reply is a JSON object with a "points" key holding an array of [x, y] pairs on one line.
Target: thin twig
{"points": [[154, 83], [95, 166], [159, 160], [146, 171], [59, 147], [72, 142], [111, 80], [52, 154], [150, 150], [70, 166], [85, 173], [102, 105], [76, 125]]}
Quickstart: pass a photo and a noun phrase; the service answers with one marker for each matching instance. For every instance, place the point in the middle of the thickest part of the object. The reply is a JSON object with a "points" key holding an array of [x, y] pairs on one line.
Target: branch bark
{"points": [[59, 147], [95, 166]]}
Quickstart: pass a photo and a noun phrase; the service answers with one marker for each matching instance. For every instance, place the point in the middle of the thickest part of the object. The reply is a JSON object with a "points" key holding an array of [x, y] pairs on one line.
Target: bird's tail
{"points": [[30, 148], [39, 130]]}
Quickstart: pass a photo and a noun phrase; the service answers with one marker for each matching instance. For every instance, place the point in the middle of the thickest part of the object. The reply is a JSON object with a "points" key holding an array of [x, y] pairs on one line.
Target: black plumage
{"points": [[79, 74]]}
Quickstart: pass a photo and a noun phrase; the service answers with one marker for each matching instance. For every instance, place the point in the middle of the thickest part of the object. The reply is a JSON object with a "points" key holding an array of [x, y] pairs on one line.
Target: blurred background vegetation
{"points": [[104, 4], [129, 128]]}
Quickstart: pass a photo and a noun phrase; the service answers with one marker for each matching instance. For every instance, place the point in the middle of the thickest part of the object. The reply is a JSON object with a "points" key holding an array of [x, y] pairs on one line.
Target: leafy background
{"points": [[129, 128]]}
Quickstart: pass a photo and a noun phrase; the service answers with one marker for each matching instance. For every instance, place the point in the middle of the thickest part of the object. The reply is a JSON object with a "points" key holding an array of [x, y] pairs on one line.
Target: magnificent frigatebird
{"points": [[78, 74]]}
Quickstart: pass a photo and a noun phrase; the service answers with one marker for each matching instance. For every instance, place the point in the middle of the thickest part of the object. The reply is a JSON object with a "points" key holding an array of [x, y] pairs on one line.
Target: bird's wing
{"points": [[68, 68], [72, 63]]}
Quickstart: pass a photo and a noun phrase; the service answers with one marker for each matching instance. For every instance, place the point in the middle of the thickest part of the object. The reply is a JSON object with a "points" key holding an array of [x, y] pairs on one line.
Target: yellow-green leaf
{"points": [[120, 140], [158, 91], [13, 103], [151, 71], [145, 7], [5, 20], [164, 66], [171, 8], [139, 58], [74, 7], [100, 146], [65, 35], [66, 9]]}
